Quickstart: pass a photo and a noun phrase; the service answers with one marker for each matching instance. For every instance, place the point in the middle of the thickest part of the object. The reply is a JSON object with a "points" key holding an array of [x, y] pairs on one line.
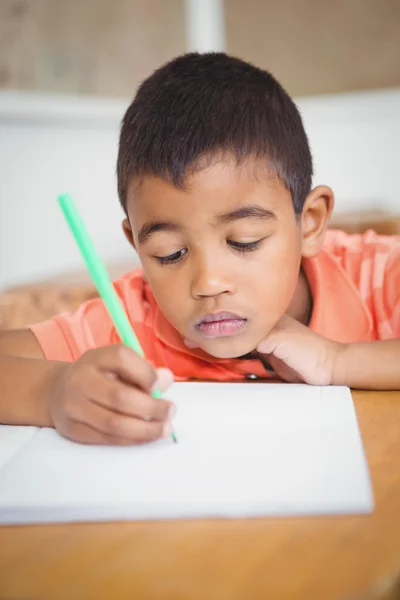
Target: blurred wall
{"points": [[104, 47], [107, 47], [319, 46]]}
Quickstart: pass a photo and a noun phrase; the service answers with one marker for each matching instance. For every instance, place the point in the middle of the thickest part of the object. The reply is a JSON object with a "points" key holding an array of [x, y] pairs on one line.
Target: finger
{"points": [[125, 363], [84, 434], [118, 397], [165, 379], [268, 345], [284, 371], [115, 425], [278, 333]]}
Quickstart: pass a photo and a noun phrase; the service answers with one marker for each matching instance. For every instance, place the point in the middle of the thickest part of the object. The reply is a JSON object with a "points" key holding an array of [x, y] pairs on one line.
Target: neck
{"points": [[300, 307]]}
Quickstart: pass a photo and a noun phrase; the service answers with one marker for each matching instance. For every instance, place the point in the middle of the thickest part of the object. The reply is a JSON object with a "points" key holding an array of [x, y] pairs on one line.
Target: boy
{"points": [[240, 276]]}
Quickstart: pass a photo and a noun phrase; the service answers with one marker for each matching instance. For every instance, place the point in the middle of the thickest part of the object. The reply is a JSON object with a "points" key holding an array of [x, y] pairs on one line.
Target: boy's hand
{"points": [[104, 398], [298, 355]]}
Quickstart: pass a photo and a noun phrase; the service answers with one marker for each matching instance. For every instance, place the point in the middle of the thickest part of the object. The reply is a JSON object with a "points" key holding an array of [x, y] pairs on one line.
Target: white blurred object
{"points": [[355, 143], [50, 144], [205, 25]]}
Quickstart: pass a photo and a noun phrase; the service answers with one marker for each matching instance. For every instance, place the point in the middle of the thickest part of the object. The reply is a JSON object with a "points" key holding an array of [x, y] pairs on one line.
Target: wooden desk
{"points": [[350, 558]]}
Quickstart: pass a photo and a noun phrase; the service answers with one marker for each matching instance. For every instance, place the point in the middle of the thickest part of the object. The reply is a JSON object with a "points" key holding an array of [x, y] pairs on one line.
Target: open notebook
{"points": [[244, 450]]}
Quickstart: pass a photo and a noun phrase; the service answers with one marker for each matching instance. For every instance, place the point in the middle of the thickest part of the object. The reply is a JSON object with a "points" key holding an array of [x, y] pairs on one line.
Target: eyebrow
{"points": [[252, 211], [152, 226]]}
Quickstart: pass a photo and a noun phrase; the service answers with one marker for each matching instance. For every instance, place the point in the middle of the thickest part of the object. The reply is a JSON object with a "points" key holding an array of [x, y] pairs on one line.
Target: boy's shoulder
{"points": [[340, 244], [368, 258], [357, 278]]}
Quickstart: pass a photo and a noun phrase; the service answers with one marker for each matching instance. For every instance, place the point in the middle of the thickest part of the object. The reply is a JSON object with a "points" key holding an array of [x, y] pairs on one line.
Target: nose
{"points": [[211, 279]]}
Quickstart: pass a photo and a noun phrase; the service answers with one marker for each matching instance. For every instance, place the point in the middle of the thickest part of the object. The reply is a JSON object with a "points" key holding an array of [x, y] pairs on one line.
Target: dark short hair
{"points": [[200, 105]]}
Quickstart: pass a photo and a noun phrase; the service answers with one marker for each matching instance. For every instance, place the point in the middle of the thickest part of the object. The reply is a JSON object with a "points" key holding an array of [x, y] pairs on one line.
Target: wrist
{"points": [[369, 365], [340, 364], [53, 387]]}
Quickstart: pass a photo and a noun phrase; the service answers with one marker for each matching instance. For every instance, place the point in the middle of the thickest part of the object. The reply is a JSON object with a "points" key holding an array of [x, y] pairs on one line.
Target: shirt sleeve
{"points": [[66, 337], [392, 290]]}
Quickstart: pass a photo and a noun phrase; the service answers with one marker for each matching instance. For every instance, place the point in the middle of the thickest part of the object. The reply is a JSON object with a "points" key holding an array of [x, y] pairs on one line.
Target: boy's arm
{"points": [[81, 400], [369, 365], [26, 379], [297, 354], [20, 342]]}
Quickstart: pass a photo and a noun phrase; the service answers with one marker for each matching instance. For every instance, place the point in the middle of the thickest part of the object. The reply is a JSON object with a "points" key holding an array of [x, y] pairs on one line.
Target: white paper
{"points": [[13, 439], [244, 450]]}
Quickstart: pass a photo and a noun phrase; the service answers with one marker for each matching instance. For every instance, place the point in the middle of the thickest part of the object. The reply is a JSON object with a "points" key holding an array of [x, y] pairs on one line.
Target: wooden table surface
{"points": [[347, 558]]}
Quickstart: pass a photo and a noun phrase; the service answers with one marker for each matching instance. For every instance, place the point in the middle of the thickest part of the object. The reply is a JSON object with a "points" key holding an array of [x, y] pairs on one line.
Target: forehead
{"points": [[217, 188]]}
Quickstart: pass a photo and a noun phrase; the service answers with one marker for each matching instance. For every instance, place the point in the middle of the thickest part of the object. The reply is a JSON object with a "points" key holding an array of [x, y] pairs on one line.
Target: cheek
{"points": [[278, 273], [167, 288]]}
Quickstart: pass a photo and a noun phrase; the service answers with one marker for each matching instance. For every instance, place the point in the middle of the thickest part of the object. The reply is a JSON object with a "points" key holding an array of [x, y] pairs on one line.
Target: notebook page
{"points": [[13, 439], [244, 450]]}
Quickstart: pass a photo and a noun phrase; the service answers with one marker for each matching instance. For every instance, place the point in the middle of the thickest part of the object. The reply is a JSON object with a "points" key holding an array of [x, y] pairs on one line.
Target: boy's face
{"points": [[222, 256]]}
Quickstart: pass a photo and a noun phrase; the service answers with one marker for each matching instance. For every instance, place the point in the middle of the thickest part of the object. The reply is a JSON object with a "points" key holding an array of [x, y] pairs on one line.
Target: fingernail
{"points": [[167, 429], [164, 380]]}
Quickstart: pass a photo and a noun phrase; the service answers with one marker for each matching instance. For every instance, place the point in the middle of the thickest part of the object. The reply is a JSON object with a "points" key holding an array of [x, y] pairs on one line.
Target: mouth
{"points": [[221, 324]]}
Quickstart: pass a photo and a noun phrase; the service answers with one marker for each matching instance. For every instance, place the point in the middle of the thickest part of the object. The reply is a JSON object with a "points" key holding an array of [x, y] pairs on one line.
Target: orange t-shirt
{"points": [[355, 285]]}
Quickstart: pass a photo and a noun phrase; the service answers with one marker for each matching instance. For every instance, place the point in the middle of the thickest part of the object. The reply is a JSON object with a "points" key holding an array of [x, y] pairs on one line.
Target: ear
{"points": [[315, 217], [126, 226]]}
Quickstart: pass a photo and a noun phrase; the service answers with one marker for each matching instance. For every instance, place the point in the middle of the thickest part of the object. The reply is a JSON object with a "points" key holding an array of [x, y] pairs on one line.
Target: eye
{"points": [[171, 258], [246, 246]]}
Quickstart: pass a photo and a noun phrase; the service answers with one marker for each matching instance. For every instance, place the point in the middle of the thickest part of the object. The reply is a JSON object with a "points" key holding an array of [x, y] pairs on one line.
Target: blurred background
{"points": [[68, 70]]}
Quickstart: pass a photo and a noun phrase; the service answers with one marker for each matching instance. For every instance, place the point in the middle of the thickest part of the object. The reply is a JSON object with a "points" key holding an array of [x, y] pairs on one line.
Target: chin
{"points": [[229, 347]]}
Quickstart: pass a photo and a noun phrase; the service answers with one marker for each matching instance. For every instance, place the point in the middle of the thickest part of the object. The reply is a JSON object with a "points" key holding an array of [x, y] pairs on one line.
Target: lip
{"points": [[221, 324]]}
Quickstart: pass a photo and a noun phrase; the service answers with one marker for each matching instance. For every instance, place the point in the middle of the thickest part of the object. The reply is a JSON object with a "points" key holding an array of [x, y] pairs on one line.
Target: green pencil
{"points": [[101, 279]]}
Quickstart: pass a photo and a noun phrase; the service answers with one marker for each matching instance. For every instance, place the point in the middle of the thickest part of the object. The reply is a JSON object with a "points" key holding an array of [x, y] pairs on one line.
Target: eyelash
{"points": [[238, 246], [246, 247], [171, 258]]}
